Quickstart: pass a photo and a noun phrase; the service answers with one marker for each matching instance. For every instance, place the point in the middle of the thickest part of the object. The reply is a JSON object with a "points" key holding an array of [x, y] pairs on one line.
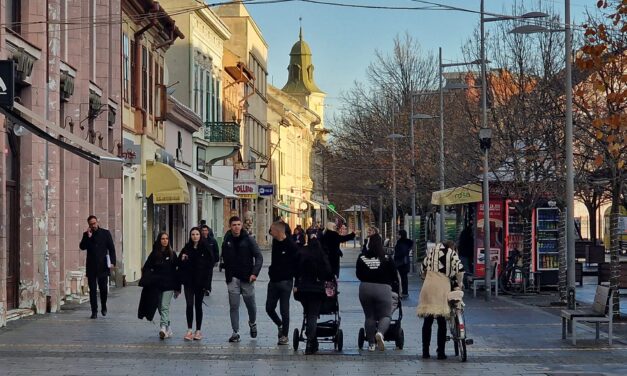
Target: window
{"points": [[208, 113], [132, 75], [126, 66], [13, 15], [151, 70], [144, 77], [214, 107], [218, 101], [200, 159]]}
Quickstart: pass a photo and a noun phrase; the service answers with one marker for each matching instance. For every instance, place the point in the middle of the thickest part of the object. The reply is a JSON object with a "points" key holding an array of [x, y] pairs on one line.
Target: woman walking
{"points": [[442, 270], [402, 250], [195, 266], [311, 270], [331, 241], [161, 266], [377, 274]]}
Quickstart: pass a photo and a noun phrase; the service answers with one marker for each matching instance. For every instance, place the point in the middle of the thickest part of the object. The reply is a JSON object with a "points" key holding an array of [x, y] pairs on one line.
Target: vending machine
{"points": [[547, 233]]}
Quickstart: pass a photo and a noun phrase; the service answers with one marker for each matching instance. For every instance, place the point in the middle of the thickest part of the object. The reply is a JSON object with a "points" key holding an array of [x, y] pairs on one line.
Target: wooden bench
{"points": [[604, 274], [601, 311]]}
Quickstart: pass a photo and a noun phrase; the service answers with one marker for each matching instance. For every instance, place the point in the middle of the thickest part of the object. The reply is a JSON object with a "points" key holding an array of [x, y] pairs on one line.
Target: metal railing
{"points": [[222, 132]]}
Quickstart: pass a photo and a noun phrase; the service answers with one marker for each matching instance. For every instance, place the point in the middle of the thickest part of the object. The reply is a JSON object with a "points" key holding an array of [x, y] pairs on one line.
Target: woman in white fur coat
{"points": [[441, 270]]}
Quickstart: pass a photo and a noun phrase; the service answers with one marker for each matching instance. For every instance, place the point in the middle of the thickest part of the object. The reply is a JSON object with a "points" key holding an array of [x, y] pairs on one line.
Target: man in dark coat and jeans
{"points": [[281, 274], [241, 261], [98, 243]]}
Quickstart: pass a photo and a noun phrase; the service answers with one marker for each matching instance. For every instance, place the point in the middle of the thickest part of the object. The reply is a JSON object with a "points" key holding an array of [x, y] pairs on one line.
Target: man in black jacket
{"points": [[281, 279], [242, 263], [206, 234], [98, 243]]}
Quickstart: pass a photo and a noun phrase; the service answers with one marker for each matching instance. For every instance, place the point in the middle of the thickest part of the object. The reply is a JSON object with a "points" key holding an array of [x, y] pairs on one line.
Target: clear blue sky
{"points": [[343, 39]]}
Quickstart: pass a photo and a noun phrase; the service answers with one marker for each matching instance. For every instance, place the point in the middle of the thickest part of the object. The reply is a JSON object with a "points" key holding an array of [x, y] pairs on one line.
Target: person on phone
{"points": [[195, 264], [98, 243], [160, 273], [241, 261]]}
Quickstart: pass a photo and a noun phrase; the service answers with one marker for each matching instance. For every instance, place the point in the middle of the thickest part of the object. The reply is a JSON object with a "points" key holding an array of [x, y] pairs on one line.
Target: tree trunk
{"points": [[527, 246], [615, 250], [422, 237], [592, 216]]}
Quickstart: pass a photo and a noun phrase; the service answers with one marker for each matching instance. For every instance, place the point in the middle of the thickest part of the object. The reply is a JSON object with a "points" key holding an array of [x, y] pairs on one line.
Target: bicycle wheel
{"points": [[459, 342]]}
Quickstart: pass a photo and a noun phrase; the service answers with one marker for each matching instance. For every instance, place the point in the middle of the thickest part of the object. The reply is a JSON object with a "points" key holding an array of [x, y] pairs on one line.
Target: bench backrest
{"points": [[601, 300]]}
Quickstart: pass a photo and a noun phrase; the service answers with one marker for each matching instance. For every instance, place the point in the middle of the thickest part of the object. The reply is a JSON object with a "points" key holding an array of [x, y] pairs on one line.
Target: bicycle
{"points": [[457, 324]]}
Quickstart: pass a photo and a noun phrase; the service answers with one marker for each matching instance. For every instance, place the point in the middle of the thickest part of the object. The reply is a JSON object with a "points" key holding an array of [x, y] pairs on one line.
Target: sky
{"points": [[343, 40]]}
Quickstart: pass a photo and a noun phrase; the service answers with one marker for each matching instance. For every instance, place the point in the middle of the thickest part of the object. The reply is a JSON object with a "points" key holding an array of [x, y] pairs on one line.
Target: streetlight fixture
{"points": [[568, 135], [485, 142]]}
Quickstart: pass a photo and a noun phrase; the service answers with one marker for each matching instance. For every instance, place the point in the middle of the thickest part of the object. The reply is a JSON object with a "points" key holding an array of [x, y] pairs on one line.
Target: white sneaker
{"points": [[163, 332], [169, 332], [379, 338], [371, 347]]}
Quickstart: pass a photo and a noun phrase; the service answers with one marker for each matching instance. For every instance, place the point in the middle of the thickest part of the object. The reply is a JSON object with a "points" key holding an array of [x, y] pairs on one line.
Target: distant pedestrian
{"points": [[466, 247], [311, 271], [207, 235], [242, 263], [402, 250], [441, 269], [195, 265], [331, 241], [298, 236], [377, 274], [98, 243], [281, 273], [160, 283]]}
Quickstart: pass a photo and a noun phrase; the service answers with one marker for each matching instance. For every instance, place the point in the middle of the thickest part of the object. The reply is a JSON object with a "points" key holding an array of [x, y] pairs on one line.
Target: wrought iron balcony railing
{"points": [[222, 132]]}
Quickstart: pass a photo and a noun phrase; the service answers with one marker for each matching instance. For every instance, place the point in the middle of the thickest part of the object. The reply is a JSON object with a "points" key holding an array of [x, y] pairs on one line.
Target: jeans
{"points": [[426, 334], [376, 301], [103, 286], [280, 291], [164, 307], [311, 302], [193, 299], [403, 270], [247, 290]]}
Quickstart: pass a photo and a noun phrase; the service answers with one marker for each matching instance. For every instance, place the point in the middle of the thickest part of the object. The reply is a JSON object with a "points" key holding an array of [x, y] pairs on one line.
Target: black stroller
{"points": [[395, 331], [327, 330]]}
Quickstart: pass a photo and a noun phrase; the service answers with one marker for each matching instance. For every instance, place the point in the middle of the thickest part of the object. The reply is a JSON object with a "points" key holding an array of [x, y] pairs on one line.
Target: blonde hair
{"points": [[331, 226]]}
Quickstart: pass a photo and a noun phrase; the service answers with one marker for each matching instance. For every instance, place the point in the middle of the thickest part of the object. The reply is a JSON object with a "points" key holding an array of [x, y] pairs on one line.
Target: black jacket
{"points": [[402, 250], [214, 248], [195, 271], [331, 241], [374, 270], [311, 269], [148, 303], [282, 260], [98, 246], [241, 257], [161, 271]]}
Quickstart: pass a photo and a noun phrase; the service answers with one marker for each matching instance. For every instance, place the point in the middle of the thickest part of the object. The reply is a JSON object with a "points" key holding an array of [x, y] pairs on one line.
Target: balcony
{"points": [[222, 132]]}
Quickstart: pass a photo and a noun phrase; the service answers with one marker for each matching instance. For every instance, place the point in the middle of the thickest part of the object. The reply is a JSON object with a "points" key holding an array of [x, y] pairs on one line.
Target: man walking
{"points": [[206, 234], [281, 279], [98, 243], [242, 263]]}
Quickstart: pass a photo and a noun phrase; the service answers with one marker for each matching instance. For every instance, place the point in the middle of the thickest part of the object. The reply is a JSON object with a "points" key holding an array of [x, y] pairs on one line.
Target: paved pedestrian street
{"points": [[510, 338]]}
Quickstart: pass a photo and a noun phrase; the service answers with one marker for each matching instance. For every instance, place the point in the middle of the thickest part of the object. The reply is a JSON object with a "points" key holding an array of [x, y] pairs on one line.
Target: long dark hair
{"points": [[375, 246], [158, 249], [190, 243]]}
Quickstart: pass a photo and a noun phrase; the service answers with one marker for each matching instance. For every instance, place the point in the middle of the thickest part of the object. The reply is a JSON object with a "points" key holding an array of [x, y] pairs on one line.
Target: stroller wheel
{"points": [[361, 338], [339, 340], [400, 339], [295, 339]]}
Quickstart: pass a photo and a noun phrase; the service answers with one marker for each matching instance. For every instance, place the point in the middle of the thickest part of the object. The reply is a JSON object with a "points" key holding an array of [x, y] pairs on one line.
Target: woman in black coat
{"points": [[160, 282], [312, 269], [331, 241], [195, 266]]}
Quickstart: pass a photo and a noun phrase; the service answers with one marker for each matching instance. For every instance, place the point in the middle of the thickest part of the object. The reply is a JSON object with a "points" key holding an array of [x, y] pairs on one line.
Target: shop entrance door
{"points": [[13, 225]]}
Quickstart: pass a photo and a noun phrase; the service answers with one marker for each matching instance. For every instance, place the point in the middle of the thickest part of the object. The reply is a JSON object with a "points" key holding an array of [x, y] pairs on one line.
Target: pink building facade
{"points": [[68, 82]]}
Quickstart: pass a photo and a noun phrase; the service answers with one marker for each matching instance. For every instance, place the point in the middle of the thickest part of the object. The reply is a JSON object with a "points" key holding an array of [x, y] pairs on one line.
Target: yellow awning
{"points": [[459, 195], [166, 185]]}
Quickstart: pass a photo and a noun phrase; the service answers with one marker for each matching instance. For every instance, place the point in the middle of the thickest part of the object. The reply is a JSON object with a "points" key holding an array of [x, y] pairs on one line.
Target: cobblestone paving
{"points": [[510, 338]]}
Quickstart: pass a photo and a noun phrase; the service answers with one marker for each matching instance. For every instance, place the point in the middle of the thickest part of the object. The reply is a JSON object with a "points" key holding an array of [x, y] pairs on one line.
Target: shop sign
{"points": [[244, 183], [266, 190], [7, 82]]}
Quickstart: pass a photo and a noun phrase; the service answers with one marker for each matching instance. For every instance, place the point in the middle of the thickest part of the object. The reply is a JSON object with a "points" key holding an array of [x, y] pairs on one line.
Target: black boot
{"points": [[311, 348], [441, 356], [425, 353]]}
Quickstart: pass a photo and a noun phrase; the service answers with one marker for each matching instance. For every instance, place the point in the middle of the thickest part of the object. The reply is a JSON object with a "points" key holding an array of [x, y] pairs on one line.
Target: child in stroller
{"points": [[328, 331]]}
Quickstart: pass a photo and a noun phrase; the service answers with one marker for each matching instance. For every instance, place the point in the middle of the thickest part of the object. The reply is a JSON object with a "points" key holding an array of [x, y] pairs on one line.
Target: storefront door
{"points": [[13, 225]]}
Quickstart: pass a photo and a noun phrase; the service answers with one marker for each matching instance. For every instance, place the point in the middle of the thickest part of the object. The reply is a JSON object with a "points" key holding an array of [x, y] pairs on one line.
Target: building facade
{"points": [[61, 137], [250, 165]]}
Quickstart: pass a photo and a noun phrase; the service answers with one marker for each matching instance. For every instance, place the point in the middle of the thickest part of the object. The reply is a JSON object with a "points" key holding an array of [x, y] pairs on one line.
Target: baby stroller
{"points": [[327, 330], [395, 331]]}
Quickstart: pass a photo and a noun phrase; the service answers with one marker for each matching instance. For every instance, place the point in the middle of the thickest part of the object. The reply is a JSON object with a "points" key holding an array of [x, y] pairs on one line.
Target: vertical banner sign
{"points": [[496, 236], [7, 83]]}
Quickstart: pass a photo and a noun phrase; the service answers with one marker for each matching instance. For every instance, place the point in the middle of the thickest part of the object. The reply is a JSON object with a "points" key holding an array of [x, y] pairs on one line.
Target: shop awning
{"points": [[166, 185], [316, 205], [111, 165], [208, 184], [284, 207], [459, 195]]}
